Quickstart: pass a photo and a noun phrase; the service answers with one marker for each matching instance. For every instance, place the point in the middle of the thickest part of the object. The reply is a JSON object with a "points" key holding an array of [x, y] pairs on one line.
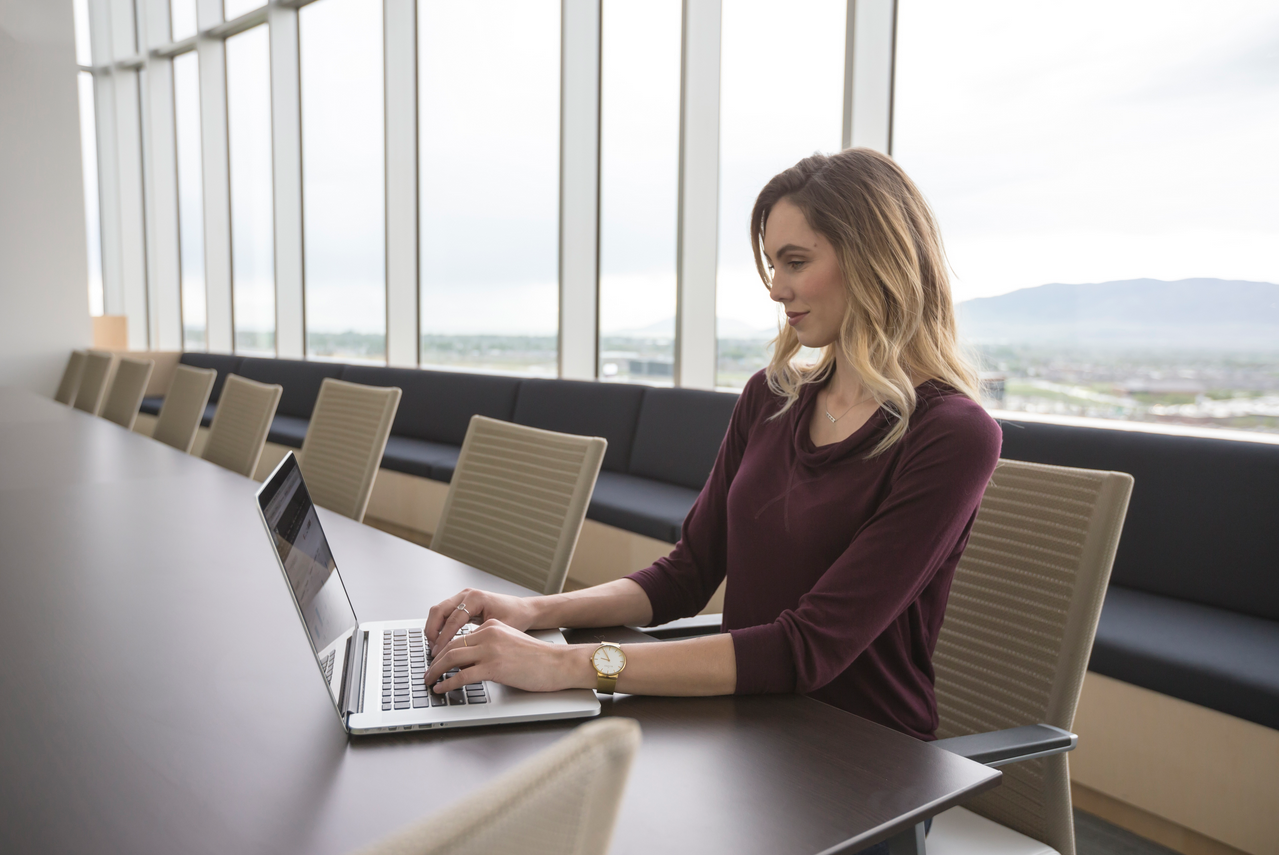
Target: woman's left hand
{"points": [[497, 652]]}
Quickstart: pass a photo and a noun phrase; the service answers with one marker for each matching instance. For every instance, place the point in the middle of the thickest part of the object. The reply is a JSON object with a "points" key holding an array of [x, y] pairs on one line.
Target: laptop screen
{"points": [[304, 552]]}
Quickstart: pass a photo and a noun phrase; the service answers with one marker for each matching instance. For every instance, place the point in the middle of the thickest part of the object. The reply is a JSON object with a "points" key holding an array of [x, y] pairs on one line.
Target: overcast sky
{"points": [[1095, 140], [1081, 142]]}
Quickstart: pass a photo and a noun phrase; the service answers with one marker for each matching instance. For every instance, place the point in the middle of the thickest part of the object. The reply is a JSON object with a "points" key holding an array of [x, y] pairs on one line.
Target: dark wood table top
{"points": [[160, 695]]}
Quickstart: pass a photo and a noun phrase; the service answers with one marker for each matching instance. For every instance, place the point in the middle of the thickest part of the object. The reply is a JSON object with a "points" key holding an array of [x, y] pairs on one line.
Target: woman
{"points": [[841, 499]]}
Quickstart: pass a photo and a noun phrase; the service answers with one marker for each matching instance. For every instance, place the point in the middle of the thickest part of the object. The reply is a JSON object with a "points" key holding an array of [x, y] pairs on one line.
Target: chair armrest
{"points": [[685, 627], [1012, 745]]}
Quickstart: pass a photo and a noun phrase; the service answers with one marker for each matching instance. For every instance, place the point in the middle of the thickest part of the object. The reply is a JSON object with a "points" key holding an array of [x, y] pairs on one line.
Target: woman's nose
{"points": [[778, 293]]}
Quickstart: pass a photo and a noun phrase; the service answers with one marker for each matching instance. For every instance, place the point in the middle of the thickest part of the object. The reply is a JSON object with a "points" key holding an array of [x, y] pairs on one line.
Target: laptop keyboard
{"points": [[405, 661], [326, 665]]}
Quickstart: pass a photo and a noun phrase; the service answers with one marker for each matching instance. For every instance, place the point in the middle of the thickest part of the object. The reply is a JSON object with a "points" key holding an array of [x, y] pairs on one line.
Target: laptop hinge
{"points": [[353, 673]]}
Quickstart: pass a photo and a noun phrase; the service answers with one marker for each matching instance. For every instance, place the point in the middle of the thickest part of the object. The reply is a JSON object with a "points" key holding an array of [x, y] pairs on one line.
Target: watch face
{"points": [[608, 660]]}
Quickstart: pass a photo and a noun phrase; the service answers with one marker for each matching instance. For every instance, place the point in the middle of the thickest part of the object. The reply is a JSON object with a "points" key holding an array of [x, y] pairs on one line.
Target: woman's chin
{"points": [[814, 341]]}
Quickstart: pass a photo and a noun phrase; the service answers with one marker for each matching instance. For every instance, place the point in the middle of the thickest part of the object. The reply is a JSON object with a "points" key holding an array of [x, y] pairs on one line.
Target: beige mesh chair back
{"points": [[183, 407], [1019, 626], [93, 382], [241, 423], [70, 378], [127, 389], [517, 500], [344, 443], [561, 801]]}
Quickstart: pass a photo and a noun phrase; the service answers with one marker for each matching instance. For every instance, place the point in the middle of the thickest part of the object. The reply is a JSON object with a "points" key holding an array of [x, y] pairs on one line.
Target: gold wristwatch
{"points": [[608, 660]]}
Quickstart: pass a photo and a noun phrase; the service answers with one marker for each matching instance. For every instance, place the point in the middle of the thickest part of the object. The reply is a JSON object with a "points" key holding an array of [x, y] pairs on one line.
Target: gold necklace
{"points": [[834, 419]]}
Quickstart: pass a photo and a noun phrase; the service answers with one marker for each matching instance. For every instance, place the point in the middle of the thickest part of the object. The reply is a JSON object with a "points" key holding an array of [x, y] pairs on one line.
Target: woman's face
{"points": [[807, 280]]}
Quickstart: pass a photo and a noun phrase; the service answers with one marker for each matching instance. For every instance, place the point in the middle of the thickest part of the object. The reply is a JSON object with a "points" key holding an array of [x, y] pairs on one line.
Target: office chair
{"points": [[241, 423], [70, 382], [344, 442], [93, 382], [127, 389], [1012, 652], [517, 500], [183, 407], [561, 801]]}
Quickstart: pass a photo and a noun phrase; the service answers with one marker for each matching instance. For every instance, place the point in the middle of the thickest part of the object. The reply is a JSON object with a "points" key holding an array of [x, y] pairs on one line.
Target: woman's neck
{"points": [[845, 387]]}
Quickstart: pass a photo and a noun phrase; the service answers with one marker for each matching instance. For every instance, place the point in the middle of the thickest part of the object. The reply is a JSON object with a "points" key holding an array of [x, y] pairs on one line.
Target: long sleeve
{"points": [[918, 528]]}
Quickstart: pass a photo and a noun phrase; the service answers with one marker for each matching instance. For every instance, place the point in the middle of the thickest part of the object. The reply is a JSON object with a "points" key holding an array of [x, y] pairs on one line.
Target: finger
{"points": [[439, 613], [474, 674], [448, 632], [474, 638], [459, 657], [460, 609]]}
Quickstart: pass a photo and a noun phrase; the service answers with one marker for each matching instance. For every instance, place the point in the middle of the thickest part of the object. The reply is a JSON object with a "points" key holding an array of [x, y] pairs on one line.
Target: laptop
{"points": [[375, 670]]}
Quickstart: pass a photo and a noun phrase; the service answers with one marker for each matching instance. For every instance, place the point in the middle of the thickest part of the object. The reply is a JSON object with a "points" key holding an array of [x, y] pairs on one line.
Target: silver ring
{"points": [[465, 609]]}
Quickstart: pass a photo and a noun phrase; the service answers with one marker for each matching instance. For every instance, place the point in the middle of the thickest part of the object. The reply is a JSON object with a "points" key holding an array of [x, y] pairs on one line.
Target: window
{"points": [[344, 211], [639, 183], [781, 99], [248, 95], [182, 19], [488, 90], [92, 211], [232, 9], [83, 51], [1106, 194], [186, 122]]}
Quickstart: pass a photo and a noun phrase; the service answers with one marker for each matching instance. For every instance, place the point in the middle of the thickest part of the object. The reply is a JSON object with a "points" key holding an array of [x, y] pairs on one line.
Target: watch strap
{"points": [[605, 683]]}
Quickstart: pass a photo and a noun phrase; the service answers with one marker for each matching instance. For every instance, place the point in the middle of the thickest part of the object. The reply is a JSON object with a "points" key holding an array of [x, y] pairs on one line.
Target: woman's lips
{"points": [[793, 318]]}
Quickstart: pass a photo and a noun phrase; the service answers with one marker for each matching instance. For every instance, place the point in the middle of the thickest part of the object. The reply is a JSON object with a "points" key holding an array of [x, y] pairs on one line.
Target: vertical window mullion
{"points": [[697, 242]]}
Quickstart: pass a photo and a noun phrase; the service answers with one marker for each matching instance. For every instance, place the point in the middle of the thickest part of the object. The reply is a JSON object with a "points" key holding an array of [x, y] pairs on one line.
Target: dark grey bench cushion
{"points": [[1201, 522], [151, 406], [584, 408], [288, 430], [207, 418], [420, 457], [1207, 656], [437, 405], [223, 363], [651, 508], [678, 435], [301, 381]]}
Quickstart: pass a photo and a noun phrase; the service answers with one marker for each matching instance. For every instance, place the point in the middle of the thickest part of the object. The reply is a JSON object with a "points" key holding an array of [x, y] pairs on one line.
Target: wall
{"points": [[44, 299]]}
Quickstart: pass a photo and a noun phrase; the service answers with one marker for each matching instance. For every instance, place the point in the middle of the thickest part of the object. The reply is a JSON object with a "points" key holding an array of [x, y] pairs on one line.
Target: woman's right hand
{"points": [[445, 619]]}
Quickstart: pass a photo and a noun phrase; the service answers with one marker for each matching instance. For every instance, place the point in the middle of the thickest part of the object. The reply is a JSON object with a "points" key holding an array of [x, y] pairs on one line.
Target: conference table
{"points": [[160, 696]]}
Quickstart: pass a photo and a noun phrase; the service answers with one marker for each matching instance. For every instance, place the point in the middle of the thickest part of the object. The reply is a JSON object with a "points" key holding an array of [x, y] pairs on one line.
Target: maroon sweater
{"points": [[838, 566]]}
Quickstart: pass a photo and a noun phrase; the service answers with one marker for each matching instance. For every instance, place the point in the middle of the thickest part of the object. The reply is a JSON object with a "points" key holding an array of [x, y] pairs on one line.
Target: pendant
{"points": [[832, 418]]}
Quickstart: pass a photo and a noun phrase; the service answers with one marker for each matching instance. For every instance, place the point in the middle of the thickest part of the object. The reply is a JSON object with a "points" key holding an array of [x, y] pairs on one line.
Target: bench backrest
{"points": [[1203, 523], [223, 363], [585, 408], [301, 381], [437, 405], [679, 434]]}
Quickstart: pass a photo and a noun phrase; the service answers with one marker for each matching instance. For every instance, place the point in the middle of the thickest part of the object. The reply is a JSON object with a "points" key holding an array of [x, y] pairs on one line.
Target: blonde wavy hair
{"points": [[901, 319]]}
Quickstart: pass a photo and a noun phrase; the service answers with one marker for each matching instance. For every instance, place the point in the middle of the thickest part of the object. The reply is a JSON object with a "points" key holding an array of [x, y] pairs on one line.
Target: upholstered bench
{"points": [[1193, 609], [223, 363], [662, 443]]}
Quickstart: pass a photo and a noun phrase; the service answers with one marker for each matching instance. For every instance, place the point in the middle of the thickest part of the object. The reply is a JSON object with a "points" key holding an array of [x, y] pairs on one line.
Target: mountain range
{"points": [[1188, 313]]}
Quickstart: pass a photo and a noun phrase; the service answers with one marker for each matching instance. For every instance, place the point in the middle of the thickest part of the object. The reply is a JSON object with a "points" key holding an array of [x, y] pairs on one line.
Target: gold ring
{"points": [[466, 640]]}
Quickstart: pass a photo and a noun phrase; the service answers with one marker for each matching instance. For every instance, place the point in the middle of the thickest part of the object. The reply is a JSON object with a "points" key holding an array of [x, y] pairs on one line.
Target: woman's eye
{"points": [[794, 265]]}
